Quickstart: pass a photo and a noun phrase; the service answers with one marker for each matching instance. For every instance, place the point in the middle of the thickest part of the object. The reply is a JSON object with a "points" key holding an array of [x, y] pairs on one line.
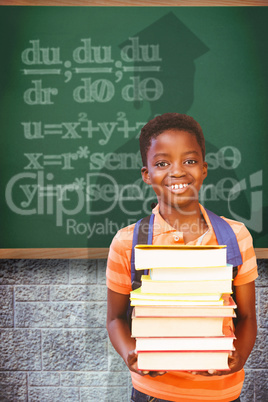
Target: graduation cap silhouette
{"points": [[178, 48]]}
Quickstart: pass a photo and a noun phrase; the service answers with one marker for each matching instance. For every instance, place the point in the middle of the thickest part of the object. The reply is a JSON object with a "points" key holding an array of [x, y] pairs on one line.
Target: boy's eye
{"points": [[190, 162], [161, 164]]}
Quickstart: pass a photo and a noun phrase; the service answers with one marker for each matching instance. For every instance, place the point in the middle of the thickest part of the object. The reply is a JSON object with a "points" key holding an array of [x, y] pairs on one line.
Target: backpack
{"points": [[143, 234]]}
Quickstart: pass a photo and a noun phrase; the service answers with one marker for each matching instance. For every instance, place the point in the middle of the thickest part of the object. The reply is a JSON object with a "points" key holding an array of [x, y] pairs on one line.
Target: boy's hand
{"points": [[245, 330], [235, 364], [132, 365]]}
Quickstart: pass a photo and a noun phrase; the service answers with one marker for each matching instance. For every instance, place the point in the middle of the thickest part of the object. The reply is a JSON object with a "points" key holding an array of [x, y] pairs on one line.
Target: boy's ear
{"points": [[145, 175], [205, 169]]}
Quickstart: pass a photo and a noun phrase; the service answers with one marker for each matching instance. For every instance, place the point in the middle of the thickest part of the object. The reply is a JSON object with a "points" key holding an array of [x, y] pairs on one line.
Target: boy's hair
{"points": [[169, 121]]}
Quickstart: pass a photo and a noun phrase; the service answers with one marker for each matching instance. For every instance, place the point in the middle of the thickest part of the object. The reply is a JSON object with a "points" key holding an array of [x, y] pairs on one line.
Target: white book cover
{"points": [[176, 326], [183, 361], [185, 287], [175, 303], [208, 343], [152, 256], [138, 294], [192, 273], [193, 310]]}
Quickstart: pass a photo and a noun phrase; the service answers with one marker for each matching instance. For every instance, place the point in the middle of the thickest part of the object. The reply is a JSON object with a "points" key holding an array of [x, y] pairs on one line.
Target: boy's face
{"points": [[175, 168]]}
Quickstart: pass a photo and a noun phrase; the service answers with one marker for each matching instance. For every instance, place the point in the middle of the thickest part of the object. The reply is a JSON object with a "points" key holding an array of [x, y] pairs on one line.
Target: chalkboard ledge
{"points": [[75, 253], [54, 253]]}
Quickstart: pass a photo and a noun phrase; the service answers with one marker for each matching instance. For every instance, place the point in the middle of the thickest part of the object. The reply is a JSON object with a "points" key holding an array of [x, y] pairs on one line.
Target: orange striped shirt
{"points": [[181, 386]]}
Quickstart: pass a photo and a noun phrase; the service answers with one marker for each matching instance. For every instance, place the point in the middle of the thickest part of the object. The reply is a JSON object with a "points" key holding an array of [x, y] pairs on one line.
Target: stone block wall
{"points": [[53, 341]]}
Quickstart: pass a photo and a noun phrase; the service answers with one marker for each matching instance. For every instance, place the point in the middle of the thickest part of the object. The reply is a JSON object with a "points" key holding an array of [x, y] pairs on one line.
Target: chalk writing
{"points": [[37, 95], [95, 59], [97, 160], [96, 198], [84, 128]]}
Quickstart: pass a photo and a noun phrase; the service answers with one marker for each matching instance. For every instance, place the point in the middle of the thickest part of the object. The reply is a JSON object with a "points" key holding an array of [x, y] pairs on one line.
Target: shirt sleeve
{"points": [[118, 273], [247, 272]]}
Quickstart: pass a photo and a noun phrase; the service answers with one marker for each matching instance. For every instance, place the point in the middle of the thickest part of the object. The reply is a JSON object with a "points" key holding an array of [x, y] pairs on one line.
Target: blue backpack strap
{"points": [[151, 229], [225, 235], [134, 242], [142, 234]]}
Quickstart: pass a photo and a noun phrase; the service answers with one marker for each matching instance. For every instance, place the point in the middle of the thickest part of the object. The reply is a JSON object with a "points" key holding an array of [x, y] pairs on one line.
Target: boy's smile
{"points": [[175, 169], [178, 188]]}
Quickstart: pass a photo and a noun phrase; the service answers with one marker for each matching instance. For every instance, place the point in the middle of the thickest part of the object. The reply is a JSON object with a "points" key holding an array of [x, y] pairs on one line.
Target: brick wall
{"points": [[53, 341]]}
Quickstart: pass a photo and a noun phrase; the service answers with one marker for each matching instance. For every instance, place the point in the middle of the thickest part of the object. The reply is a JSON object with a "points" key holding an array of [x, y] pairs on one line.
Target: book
{"points": [[175, 303], [184, 309], [183, 361], [176, 326], [224, 342], [192, 273], [183, 287], [138, 294], [153, 256]]}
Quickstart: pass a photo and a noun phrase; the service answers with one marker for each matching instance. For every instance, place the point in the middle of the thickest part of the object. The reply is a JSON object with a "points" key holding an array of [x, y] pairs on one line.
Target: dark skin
{"points": [[245, 331], [175, 158], [119, 331]]}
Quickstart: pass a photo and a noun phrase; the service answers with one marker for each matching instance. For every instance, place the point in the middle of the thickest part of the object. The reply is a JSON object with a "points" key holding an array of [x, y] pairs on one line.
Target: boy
{"points": [[173, 154]]}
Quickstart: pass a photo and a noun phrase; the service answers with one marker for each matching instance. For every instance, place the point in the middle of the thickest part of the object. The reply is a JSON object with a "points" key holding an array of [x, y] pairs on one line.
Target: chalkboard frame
{"points": [[138, 3], [102, 253], [75, 253]]}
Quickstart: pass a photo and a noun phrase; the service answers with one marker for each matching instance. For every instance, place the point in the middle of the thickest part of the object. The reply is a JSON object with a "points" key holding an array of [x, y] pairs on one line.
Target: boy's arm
{"points": [[117, 326], [119, 332], [245, 330]]}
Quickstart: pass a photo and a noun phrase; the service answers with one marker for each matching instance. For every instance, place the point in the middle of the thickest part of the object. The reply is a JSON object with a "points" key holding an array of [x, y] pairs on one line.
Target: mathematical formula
{"points": [[84, 128], [90, 61]]}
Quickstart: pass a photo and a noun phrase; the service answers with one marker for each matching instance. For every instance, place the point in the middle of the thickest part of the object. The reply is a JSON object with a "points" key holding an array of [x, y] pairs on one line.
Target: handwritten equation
{"points": [[89, 61], [84, 128], [97, 160]]}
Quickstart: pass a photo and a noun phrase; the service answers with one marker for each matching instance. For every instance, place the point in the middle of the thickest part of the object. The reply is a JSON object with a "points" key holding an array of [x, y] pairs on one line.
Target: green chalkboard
{"points": [[77, 85]]}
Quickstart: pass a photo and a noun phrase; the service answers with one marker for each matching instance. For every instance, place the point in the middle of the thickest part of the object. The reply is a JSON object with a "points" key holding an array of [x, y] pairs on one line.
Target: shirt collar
{"points": [[161, 226]]}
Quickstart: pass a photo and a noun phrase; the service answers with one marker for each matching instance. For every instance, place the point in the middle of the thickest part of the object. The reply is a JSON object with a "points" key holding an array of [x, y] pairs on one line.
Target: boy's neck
{"points": [[191, 222]]}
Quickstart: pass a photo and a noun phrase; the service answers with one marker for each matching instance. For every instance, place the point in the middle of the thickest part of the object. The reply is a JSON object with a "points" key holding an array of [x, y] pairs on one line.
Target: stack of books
{"points": [[180, 310]]}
